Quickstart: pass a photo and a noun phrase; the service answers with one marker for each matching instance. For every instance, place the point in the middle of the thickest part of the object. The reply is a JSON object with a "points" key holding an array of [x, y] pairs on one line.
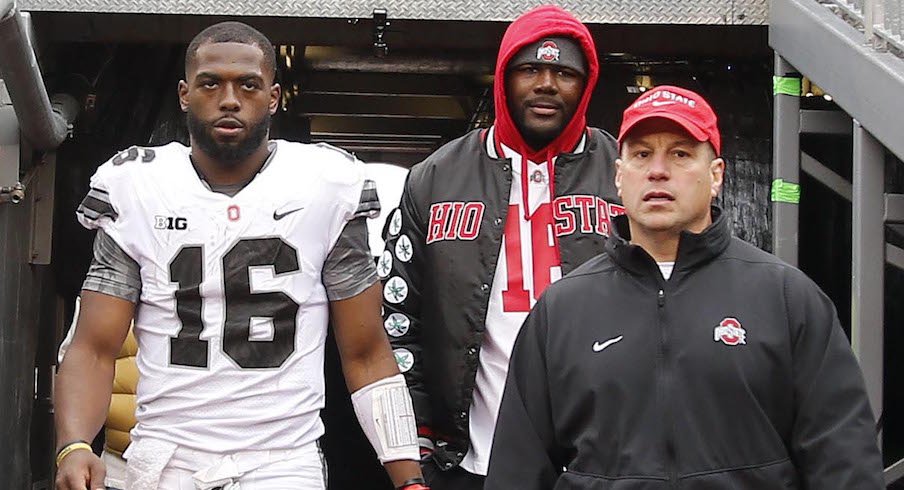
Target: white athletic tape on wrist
{"points": [[386, 415]]}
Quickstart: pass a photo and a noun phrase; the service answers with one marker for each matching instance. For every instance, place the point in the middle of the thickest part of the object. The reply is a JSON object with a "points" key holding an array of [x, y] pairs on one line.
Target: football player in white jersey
{"points": [[231, 255]]}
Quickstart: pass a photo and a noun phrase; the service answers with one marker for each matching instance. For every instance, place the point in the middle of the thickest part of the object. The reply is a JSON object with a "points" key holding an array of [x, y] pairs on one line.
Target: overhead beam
{"points": [[399, 142], [434, 107], [351, 124], [664, 40], [437, 64], [894, 256], [826, 176], [415, 138], [386, 149], [397, 84], [894, 208], [825, 122]]}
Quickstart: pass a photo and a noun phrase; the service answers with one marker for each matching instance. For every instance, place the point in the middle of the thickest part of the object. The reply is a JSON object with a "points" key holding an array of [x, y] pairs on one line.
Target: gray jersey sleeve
{"points": [[349, 268], [112, 271]]}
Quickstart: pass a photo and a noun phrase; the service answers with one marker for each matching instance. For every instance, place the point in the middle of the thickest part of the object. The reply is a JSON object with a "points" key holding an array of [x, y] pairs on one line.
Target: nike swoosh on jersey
{"points": [[278, 216], [660, 103], [598, 347]]}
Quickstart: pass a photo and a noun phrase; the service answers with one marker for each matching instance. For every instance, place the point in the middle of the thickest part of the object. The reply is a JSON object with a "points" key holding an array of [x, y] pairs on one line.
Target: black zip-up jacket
{"points": [[733, 374], [442, 246]]}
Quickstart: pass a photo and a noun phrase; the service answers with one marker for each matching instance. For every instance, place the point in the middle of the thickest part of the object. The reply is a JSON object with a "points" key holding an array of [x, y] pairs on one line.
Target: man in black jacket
{"points": [[484, 225], [682, 358]]}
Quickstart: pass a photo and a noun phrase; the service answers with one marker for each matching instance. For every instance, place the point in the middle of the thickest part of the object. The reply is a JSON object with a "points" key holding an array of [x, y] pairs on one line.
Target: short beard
{"points": [[536, 140], [230, 154]]}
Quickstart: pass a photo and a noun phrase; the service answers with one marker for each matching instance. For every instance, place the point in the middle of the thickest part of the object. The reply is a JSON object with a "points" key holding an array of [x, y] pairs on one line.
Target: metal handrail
{"points": [[881, 21]]}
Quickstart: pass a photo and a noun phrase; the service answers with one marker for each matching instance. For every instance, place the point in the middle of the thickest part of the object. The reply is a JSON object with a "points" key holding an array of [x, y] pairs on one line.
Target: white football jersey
{"points": [[232, 316]]}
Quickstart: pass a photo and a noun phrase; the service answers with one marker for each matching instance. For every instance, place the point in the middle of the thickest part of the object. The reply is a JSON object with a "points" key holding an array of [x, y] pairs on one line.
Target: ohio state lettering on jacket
{"points": [[442, 248], [461, 220], [734, 373]]}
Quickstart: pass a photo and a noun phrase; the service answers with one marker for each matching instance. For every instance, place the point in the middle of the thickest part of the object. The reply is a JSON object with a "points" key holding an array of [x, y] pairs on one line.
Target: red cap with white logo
{"points": [[682, 106]]}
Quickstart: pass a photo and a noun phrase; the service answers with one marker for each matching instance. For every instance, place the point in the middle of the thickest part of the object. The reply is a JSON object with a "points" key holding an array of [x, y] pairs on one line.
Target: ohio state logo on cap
{"points": [[684, 107], [548, 51], [730, 332]]}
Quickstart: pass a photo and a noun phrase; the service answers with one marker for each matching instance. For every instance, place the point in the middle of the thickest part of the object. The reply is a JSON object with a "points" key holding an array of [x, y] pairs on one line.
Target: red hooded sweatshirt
{"points": [[544, 21]]}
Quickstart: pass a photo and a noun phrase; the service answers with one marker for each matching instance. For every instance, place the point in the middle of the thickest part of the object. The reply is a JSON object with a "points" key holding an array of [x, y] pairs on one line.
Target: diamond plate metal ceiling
{"points": [[719, 12]]}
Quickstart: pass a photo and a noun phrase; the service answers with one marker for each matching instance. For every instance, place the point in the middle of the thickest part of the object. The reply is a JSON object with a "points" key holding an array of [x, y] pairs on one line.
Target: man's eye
{"points": [[682, 154], [209, 85], [251, 85]]}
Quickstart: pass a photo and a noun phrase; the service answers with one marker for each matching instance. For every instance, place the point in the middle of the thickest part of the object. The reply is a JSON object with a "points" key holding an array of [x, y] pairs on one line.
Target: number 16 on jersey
{"points": [[240, 304]]}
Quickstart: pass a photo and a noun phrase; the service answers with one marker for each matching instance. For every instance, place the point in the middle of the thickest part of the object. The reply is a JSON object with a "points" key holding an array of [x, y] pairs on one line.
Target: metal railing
{"points": [[881, 21], [854, 49]]}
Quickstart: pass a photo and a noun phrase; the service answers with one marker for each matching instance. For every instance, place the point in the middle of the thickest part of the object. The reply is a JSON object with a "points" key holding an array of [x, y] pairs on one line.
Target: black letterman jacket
{"points": [[442, 246]]}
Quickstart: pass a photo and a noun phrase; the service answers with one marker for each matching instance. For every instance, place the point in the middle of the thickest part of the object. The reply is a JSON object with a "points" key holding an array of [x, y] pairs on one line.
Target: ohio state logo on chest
{"points": [[581, 213]]}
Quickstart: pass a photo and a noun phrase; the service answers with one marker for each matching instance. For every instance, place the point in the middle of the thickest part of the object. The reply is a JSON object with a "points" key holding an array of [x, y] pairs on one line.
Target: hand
{"points": [[81, 470]]}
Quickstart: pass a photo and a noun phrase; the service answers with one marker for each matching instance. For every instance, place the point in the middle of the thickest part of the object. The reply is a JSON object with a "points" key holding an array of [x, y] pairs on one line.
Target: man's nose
{"points": [[658, 168], [546, 81], [229, 101]]}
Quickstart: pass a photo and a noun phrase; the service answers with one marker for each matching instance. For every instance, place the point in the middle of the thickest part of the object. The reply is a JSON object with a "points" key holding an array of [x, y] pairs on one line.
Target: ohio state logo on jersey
{"points": [[548, 51], [730, 332]]}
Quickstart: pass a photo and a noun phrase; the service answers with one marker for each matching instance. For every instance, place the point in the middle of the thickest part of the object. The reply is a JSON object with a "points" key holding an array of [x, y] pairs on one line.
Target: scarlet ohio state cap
{"points": [[682, 106]]}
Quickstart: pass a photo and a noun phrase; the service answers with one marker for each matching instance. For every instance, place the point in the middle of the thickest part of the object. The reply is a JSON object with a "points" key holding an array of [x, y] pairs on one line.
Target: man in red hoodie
{"points": [[484, 226]]}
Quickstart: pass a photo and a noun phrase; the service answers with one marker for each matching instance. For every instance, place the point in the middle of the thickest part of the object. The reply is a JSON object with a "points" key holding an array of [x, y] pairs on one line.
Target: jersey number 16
{"points": [[240, 303]]}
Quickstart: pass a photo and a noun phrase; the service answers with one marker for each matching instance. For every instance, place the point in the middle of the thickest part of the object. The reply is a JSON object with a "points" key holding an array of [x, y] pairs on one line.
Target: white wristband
{"points": [[386, 415]]}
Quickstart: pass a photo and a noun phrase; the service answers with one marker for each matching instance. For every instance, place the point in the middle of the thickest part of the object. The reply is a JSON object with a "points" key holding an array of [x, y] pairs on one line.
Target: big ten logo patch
{"points": [[584, 214], [170, 223], [454, 221]]}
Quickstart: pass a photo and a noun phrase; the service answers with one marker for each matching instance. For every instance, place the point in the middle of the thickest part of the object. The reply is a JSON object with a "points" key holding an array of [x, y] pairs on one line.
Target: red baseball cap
{"points": [[682, 106]]}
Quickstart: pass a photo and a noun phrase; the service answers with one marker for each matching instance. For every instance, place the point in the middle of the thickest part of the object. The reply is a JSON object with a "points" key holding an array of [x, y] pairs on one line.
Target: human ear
{"points": [[275, 93], [182, 89], [717, 173]]}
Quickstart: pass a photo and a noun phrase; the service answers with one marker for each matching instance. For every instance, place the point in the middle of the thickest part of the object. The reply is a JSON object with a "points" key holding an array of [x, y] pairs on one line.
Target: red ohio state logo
{"points": [[730, 332], [548, 51]]}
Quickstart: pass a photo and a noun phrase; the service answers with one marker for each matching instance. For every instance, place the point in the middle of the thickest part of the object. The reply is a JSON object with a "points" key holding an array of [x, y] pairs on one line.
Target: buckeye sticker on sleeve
{"points": [[397, 324], [404, 358], [395, 222], [395, 290], [403, 249], [384, 265]]}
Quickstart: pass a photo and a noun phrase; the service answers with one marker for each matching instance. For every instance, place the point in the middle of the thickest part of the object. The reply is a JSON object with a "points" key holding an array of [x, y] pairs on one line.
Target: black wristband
{"points": [[413, 481]]}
